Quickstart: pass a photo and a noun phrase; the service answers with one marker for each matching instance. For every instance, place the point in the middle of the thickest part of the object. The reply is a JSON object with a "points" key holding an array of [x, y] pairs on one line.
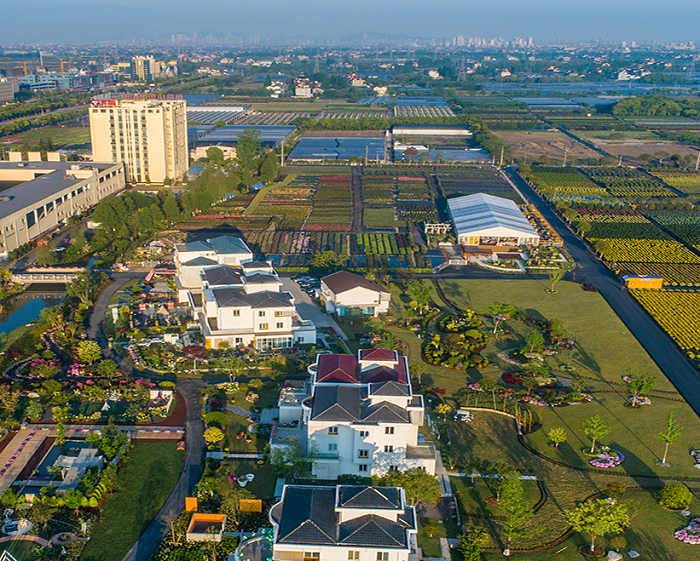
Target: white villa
{"points": [[348, 294], [343, 522], [236, 300], [359, 414]]}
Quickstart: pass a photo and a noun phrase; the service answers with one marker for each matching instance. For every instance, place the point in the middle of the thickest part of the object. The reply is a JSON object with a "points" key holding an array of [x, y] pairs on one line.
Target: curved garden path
{"points": [[150, 539]]}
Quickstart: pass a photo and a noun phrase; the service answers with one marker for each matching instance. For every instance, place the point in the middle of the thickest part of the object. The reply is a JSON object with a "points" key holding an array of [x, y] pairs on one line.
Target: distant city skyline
{"points": [[92, 21]]}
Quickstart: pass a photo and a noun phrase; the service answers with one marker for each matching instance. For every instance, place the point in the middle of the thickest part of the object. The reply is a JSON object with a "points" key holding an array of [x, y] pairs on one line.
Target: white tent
{"points": [[482, 219]]}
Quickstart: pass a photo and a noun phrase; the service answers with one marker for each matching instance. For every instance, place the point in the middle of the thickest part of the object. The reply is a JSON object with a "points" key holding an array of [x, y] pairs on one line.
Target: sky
{"points": [[89, 21]]}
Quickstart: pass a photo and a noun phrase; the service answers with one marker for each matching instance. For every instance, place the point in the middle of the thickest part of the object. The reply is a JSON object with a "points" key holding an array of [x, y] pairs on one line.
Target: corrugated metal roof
{"points": [[477, 214]]}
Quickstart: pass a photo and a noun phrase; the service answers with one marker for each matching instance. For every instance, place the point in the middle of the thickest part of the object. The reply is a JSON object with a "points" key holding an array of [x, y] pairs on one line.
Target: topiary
{"points": [[675, 496]]}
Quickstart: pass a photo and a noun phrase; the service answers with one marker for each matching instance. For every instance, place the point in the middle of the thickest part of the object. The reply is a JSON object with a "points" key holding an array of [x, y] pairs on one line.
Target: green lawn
{"points": [[235, 425], [431, 546], [62, 137], [143, 484], [263, 486], [22, 550]]}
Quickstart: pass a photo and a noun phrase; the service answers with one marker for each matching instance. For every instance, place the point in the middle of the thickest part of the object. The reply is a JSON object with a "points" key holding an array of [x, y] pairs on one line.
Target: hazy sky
{"points": [[83, 21]]}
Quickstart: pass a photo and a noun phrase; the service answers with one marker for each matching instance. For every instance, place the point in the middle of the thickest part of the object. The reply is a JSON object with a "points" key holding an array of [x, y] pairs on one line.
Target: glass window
{"points": [[236, 313], [388, 430], [333, 430], [363, 453], [388, 449]]}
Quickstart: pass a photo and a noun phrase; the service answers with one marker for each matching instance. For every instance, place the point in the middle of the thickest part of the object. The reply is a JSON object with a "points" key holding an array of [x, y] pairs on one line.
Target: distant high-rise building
{"points": [[149, 136], [8, 88], [148, 68]]}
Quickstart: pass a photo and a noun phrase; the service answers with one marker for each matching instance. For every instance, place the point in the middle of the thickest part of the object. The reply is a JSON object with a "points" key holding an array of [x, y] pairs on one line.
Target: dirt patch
{"points": [[178, 417], [630, 152], [551, 144]]}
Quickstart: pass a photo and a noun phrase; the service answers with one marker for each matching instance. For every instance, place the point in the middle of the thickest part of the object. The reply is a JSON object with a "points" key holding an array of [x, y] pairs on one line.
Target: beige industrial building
{"points": [[36, 197], [148, 135], [8, 88]]}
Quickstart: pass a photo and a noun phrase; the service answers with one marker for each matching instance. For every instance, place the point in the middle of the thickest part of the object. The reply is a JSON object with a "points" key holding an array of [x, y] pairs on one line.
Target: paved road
{"points": [[667, 355]]}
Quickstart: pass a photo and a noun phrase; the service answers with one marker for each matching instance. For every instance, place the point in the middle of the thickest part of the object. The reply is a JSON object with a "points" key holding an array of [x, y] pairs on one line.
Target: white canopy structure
{"points": [[482, 219]]}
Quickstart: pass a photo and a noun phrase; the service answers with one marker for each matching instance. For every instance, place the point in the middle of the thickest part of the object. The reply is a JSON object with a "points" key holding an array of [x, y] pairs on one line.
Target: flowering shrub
{"points": [[607, 459], [690, 534]]}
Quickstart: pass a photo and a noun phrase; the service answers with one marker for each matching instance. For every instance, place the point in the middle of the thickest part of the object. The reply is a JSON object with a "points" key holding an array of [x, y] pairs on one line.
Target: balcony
{"points": [[421, 452]]}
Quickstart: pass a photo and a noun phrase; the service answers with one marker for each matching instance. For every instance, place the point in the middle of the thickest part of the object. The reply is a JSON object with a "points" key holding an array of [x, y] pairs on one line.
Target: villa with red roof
{"points": [[360, 415]]}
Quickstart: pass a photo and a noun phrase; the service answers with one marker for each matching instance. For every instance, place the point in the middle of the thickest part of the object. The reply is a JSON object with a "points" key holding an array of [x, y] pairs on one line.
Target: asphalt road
{"points": [[662, 349]]}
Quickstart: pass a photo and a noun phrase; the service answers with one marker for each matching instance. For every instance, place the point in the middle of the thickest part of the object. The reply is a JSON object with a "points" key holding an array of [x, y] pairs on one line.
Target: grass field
{"points": [[62, 137], [143, 484], [22, 550]]}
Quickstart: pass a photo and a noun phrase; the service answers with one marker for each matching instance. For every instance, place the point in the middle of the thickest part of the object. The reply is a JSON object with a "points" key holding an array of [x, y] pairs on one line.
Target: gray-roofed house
{"points": [[348, 294], [193, 257], [343, 522], [360, 416]]}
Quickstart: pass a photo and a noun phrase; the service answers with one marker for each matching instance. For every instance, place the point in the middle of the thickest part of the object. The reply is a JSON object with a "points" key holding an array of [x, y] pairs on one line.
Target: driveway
{"points": [[306, 307]]}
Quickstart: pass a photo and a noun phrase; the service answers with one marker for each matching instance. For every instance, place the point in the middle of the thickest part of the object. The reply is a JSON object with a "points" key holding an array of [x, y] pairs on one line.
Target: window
{"points": [[364, 433], [236, 313], [363, 453], [353, 554], [280, 325], [388, 449], [332, 430], [388, 430], [263, 326], [261, 314], [383, 556], [309, 556], [279, 314], [333, 447], [362, 467]]}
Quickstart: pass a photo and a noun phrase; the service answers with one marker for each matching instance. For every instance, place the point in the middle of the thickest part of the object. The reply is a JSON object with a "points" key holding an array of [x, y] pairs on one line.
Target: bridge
{"points": [[34, 275]]}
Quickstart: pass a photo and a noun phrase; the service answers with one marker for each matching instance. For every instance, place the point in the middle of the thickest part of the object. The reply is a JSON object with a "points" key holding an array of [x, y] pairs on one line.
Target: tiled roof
{"points": [[256, 265], [365, 496], [200, 262], [198, 246], [337, 369], [230, 297], [399, 373], [229, 245], [384, 412], [394, 389], [262, 279], [336, 403], [342, 281], [223, 275], [308, 517], [270, 300], [382, 355]]}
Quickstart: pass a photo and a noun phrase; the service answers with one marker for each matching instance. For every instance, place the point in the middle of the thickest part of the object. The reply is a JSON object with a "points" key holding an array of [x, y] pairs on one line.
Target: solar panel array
{"points": [[211, 117], [269, 135], [338, 148]]}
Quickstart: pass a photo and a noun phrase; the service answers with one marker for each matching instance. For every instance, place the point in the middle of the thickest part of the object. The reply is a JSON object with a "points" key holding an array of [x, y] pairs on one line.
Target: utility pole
{"points": [[282, 154], [566, 153], [502, 149], [619, 162], [697, 162]]}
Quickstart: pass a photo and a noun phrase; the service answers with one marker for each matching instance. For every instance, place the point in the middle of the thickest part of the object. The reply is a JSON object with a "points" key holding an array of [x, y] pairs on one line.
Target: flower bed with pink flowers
{"points": [[607, 459], [690, 534]]}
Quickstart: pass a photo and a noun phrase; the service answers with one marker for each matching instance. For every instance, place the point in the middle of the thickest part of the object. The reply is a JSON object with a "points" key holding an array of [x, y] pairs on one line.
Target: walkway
{"points": [[18, 460], [662, 349]]}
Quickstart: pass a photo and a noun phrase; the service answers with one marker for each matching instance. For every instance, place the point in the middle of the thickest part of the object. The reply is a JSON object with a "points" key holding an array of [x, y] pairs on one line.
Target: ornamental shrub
{"points": [[675, 496]]}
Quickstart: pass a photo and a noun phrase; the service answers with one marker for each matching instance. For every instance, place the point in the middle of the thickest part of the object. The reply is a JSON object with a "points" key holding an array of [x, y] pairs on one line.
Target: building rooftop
{"points": [[32, 182], [337, 369], [342, 281], [381, 355], [229, 245], [223, 275], [482, 214], [200, 262], [349, 404]]}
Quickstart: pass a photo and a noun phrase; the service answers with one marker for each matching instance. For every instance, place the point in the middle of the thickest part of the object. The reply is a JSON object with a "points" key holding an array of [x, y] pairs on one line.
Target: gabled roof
{"points": [[229, 245], [365, 496], [198, 246], [308, 516], [342, 281], [256, 265], [384, 412], [389, 389], [337, 369], [260, 278], [336, 403], [230, 297], [382, 355], [270, 300], [200, 262], [223, 275], [396, 373], [372, 530]]}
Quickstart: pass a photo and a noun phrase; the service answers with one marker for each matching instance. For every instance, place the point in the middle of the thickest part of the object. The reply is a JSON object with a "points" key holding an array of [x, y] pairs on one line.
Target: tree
{"points": [[89, 352], [8, 400], [421, 293], [107, 369], [673, 431], [269, 168], [554, 277], [290, 462], [530, 382], [489, 385], [516, 510], [602, 247], [557, 435], [534, 340], [499, 312], [595, 429], [45, 257], [472, 544], [443, 409], [60, 433], [34, 410], [248, 147], [431, 530], [417, 483], [215, 154], [597, 518], [638, 385], [410, 153]]}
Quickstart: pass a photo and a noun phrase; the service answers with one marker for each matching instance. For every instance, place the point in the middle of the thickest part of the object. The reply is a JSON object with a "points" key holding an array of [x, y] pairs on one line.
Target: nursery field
{"points": [[688, 183], [332, 205], [677, 312], [469, 181]]}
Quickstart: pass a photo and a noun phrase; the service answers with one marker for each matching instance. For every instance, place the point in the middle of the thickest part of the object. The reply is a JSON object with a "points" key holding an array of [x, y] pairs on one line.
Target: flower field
{"points": [[623, 215], [477, 180], [688, 183], [565, 182], [378, 190], [417, 213], [652, 251], [412, 189], [379, 244], [332, 204], [678, 313]]}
